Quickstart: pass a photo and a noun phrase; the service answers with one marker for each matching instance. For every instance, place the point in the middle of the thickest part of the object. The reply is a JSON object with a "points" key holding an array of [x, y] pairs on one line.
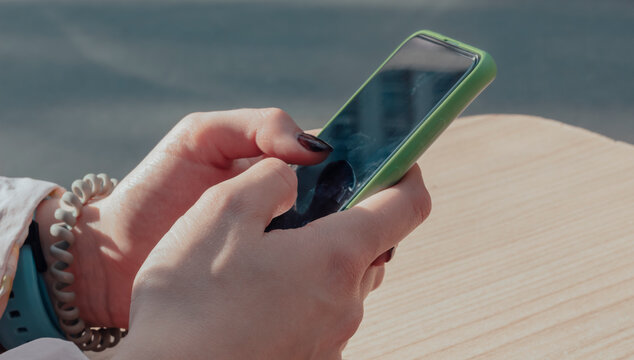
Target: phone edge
{"points": [[454, 104]]}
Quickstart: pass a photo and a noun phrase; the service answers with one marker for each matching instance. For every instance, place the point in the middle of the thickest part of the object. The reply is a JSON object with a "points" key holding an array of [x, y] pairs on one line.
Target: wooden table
{"points": [[528, 252]]}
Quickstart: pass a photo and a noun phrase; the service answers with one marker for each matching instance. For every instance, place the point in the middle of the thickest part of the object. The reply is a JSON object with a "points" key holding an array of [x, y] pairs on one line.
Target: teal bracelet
{"points": [[29, 314]]}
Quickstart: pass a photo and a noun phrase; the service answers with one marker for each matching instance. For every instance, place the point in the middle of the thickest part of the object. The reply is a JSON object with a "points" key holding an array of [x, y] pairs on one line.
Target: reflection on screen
{"points": [[373, 125]]}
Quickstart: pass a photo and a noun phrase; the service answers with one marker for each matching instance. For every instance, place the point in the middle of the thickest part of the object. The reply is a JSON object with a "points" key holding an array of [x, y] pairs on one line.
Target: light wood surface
{"points": [[528, 252]]}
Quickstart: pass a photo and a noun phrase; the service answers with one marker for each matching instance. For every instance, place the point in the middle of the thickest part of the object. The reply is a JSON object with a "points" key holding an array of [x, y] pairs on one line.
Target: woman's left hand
{"points": [[115, 234]]}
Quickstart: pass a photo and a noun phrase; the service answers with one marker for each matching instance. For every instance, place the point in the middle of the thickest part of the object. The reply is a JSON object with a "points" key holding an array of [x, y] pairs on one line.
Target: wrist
{"points": [[92, 268], [157, 341]]}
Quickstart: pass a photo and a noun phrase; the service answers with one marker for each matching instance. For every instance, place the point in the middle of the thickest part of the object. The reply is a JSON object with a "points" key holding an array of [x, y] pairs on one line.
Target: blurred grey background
{"points": [[93, 85]]}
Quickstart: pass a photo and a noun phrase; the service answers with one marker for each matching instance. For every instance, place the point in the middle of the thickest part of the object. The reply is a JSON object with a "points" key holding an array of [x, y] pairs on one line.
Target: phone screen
{"points": [[374, 123]]}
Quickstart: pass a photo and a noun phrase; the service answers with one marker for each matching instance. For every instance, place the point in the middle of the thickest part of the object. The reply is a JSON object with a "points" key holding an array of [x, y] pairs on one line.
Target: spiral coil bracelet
{"points": [[86, 338]]}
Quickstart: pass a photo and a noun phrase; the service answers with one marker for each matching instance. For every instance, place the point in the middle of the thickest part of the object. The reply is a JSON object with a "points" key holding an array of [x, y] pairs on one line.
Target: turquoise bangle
{"points": [[29, 314]]}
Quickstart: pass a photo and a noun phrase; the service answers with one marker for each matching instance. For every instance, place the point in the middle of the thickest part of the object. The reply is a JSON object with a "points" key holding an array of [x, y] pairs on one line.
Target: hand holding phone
{"points": [[388, 123]]}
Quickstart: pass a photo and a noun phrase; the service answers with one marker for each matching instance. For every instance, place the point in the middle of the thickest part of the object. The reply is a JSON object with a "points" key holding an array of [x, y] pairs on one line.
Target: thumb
{"points": [[255, 196]]}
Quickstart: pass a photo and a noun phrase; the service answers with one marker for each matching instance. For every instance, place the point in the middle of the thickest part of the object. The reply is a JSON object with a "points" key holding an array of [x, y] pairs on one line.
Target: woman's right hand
{"points": [[217, 286]]}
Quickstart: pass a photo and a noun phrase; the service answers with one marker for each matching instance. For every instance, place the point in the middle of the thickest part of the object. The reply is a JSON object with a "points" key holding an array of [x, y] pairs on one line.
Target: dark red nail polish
{"points": [[312, 143]]}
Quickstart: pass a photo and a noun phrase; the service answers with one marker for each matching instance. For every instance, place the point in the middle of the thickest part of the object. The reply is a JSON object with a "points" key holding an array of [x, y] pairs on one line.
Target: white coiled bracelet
{"points": [[86, 338]]}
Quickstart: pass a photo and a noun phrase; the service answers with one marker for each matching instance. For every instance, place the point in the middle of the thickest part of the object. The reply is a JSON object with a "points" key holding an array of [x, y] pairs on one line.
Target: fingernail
{"points": [[390, 254], [312, 143]]}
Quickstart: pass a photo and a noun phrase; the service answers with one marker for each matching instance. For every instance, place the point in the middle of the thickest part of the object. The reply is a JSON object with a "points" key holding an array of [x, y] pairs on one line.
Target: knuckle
{"points": [[225, 201], [350, 322], [274, 114], [378, 278], [421, 204], [344, 315], [187, 133], [282, 171], [191, 119]]}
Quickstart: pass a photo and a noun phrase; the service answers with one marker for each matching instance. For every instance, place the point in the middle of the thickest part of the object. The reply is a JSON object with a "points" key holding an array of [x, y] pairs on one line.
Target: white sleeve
{"points": [[45, 348], [18, 199]]}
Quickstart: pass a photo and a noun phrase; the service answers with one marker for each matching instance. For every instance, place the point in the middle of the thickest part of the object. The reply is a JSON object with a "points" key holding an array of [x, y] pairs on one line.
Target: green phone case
{"points": [[462, 95]]}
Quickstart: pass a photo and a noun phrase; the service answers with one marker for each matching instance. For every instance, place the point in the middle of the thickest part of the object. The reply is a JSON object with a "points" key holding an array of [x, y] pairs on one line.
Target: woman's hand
{"points": [[115, 235], [218, 287]]}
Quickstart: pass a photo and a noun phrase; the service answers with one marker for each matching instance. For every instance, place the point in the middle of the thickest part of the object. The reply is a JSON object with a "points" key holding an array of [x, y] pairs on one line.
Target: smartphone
{"points": [[388, 123]]}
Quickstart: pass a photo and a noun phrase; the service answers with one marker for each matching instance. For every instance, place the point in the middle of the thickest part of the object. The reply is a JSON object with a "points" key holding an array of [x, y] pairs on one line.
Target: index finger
{"points": [[218, 138], [379, 222]]}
